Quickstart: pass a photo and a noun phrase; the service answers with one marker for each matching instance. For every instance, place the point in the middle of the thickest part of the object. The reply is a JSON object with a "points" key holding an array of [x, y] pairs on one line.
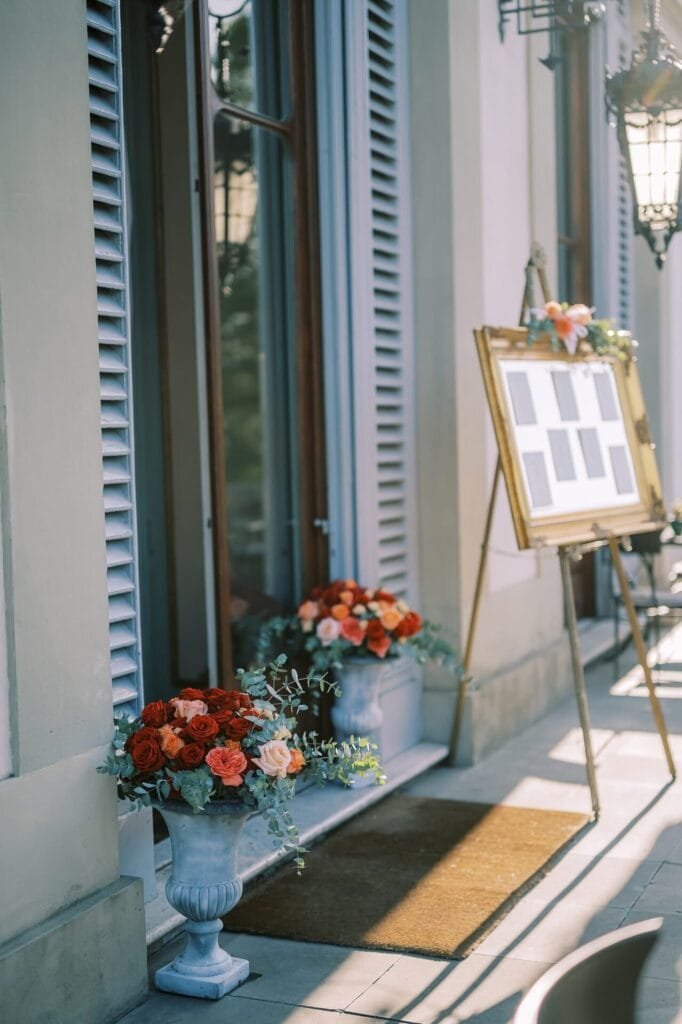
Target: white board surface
{"points": [[568, 427]]}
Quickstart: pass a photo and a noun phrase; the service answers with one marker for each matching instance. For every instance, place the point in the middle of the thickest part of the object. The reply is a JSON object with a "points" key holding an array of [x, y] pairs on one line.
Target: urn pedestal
{"points": [[356, 712], [204, 886]]}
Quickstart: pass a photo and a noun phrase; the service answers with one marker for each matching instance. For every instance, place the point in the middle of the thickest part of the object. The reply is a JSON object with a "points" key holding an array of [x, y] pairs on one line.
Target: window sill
{"points": [[316, 811]]}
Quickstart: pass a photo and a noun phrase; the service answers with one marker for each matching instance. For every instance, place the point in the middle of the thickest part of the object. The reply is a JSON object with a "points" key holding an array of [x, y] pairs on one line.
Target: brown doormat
{"points": [[421, 875]]}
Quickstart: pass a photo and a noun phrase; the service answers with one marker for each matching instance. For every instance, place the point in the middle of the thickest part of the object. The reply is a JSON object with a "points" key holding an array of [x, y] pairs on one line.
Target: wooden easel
{"points": [[536, 265]]}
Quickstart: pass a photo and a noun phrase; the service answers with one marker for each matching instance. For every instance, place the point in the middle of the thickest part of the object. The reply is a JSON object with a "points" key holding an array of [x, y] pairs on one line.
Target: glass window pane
{"points": [[254, 234], [248, 47]]}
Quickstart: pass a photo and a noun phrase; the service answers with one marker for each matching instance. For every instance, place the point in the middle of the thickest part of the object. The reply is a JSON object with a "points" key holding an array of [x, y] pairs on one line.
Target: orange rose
{"points": [[390, 618], [340, 611], [228, 765], [171, 744], [297, 762], [308, 611]]}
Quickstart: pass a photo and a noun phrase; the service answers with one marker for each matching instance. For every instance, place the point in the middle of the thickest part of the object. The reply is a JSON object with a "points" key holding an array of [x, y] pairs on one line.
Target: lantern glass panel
{"points": [[655, 149]]}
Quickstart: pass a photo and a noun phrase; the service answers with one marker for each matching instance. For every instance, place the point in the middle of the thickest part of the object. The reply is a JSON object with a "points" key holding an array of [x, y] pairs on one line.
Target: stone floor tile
{"points": [[329, 977], [659, 1002], [299, 973], [663, 895], [596, 881], [161, 1008], [665, 960], [534, 930], [424, 991]]}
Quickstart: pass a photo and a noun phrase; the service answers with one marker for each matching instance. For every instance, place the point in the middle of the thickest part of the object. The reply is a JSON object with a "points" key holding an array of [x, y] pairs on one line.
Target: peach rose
{"points": [[309, 610], [228, 765], [346, 596], [187, 709], [297, 762], [275, 758], [390, 618], [328, 631], [553, 309], [580, 313], [171, 744]]}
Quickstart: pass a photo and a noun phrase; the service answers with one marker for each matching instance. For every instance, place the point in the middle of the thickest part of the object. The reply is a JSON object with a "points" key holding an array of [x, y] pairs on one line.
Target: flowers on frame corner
{"points": [[567, 325]]}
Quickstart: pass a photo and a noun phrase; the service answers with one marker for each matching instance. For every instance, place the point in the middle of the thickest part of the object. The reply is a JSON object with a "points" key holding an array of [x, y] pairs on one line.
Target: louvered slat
{"points": [[108, 166], [391, 326]]}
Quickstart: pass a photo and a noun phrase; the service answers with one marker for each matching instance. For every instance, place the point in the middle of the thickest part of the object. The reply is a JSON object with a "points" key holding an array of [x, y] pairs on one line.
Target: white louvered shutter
{"points": [[616, 199], [382, 336], [108, 167]]}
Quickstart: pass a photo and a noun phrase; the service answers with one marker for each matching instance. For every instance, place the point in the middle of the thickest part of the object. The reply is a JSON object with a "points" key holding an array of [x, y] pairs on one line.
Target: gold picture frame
{"points": [[644, 509]]}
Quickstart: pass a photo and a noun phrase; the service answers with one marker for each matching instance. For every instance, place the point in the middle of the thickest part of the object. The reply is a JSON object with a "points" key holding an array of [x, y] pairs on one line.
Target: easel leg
{"points": [[641, 652], [578, 676], [478, 593]]}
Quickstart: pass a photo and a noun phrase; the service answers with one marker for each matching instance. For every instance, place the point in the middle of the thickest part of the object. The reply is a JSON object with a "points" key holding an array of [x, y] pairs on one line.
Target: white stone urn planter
{"points": [[356, 712], [204, 885]]}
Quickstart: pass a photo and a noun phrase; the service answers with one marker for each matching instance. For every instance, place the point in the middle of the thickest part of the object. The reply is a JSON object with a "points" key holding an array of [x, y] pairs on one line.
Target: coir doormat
{"points": [[421, 875]]}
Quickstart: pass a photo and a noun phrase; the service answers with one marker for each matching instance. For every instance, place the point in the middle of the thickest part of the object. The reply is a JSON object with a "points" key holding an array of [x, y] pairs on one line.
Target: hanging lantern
{"points": [[646, 100]]}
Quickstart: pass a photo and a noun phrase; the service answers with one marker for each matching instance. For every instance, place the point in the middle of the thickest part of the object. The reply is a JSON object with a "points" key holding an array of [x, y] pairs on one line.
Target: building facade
{"points": [[238, 284]]}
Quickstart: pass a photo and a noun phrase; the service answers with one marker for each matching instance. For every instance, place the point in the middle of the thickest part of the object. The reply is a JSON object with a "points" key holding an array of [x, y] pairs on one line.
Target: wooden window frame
{"points": [[299, 132]]}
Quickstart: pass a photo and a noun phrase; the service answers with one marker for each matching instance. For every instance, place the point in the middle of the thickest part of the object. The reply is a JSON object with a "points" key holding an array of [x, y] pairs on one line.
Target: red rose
{"points": [[202, 727], [237, 728], [222, 716], [191, 755], [191, 693], [147, 756], [410, 625], [235, 699], [155, 714], [375, 631], [145, 733], [215, 698]]}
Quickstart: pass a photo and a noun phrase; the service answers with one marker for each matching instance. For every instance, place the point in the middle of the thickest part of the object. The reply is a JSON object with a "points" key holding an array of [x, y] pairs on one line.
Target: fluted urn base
{"points": [[204, 885], [189, 979]]}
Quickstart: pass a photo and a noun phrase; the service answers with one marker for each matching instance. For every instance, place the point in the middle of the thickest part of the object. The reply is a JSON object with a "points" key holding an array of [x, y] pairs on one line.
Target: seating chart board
{"points": [[573, 437]]}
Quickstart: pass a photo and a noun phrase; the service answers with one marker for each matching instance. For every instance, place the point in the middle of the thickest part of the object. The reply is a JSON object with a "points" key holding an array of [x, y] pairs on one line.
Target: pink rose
{"points": [[328, 630], [187, 709]]}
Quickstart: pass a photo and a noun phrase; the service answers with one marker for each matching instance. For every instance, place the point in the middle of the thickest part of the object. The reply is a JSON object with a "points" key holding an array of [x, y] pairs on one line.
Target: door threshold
{"points": [[316, 811]]}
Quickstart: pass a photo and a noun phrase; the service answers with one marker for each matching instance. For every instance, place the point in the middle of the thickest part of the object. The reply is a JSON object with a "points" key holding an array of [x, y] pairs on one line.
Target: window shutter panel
{"points": [[619, 198], [108, 170], [381, 282]]}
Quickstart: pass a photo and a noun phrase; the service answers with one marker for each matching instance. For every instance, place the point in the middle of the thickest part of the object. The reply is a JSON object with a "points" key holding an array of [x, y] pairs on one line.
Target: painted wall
{"points": [[62, 843], [483, 187]]}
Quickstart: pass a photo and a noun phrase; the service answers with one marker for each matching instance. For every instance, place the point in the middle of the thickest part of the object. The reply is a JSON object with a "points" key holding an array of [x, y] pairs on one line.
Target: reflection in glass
{"points": [[247, 59], [251, 226]]}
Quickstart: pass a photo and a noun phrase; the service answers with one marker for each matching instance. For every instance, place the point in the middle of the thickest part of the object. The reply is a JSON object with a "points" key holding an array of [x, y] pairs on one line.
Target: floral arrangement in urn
{"points": [[345, 620], [568, 325], [237, 747]]}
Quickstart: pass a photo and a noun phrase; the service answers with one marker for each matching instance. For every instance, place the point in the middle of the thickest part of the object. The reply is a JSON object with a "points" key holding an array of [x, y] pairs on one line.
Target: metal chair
{"points": [[594, 985]]}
